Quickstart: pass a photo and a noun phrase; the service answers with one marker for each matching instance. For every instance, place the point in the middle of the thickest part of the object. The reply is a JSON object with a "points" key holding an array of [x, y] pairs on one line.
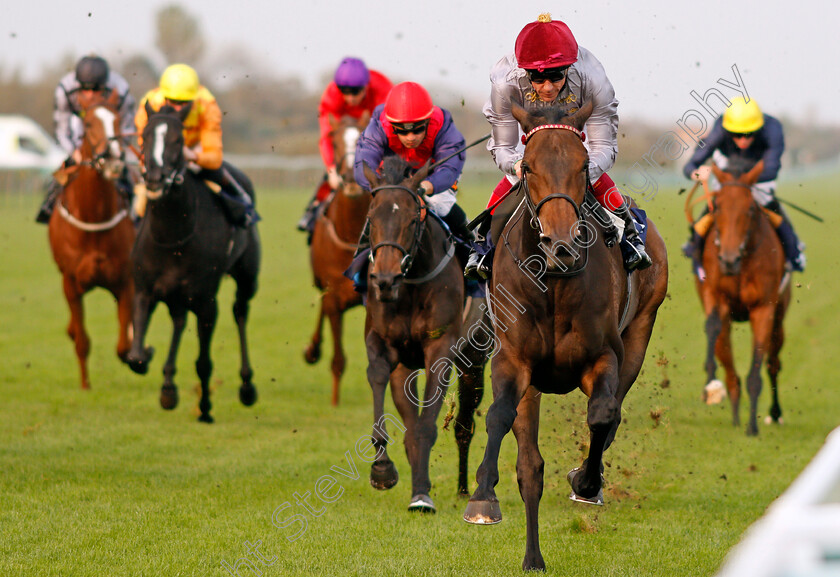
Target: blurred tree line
{"points": [[267, 114]]}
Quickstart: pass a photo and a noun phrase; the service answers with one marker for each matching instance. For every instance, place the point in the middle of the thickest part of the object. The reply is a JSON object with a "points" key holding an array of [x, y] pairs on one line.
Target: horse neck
{"points": [[173, 217], [90, 197], [348, 214], [433, 246]]}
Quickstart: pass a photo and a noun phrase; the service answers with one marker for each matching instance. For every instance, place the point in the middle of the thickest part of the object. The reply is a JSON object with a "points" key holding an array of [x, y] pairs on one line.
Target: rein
{"points": [[410, 253]]}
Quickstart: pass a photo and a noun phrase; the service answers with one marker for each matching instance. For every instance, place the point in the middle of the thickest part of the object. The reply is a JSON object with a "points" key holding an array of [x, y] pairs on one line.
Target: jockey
{"points": [[180, 89], [73, 94], [353, 91], [412, 127], [744, 132], [548, 68]]}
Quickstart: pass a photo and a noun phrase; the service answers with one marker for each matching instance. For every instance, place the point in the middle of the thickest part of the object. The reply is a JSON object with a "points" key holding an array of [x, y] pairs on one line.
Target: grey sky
{"points": [[655, 52]]}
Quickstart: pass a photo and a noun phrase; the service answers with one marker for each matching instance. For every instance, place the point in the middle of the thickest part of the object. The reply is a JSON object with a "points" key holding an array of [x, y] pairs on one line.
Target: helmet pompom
{"points": [[544, 17]]}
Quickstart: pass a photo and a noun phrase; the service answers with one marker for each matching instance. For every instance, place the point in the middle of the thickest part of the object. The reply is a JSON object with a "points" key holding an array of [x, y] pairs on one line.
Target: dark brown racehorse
{"points": [[415, 322], [745, 268], [185, 246], [91, 231], [582, 323], [334, 240]]}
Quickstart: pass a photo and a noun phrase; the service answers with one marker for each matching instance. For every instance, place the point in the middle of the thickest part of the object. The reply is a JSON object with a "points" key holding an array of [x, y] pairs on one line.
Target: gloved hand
{"points": [[334, 178], [702, 173]]}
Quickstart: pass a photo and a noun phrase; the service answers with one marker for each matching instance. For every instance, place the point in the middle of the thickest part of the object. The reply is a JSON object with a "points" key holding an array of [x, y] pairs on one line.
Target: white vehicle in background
{"points": [[25, 145]]}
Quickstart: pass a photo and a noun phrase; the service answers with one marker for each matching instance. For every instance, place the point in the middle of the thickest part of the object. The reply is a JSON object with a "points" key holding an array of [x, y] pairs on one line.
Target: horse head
{"points": [[735, 214], [397, 218], [345, 134], [555, 167], [163, 150], [102, 141]]}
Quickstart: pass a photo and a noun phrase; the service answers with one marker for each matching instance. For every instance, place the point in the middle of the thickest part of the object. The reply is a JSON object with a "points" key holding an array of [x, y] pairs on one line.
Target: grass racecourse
{"points": [[104, 482]]}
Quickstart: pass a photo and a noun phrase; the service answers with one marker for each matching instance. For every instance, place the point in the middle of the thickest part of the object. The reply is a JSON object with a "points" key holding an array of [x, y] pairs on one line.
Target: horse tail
{"points": [[90, 268]]}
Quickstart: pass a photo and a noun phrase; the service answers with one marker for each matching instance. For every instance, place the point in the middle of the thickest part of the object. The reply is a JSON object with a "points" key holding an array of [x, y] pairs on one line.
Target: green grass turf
{"points": [[104, 482]]}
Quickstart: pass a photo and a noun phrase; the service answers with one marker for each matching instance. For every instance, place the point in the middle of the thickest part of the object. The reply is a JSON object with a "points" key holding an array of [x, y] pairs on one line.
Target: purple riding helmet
{"points": [[352, 72]]}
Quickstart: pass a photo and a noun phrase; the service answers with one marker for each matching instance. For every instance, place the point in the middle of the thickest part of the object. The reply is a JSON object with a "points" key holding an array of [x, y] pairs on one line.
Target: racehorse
{"points": [[184, 247], [583, 322], [334, 240], [90, 232], [745, 268], [415, 321]]}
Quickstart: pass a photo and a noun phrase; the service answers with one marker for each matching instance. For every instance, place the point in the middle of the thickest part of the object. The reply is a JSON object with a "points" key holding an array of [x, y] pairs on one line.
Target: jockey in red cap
{"points": [[353, 91], [549, 68]]}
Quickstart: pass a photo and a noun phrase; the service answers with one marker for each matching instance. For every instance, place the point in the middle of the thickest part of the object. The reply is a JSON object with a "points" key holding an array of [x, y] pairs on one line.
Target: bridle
{"points": [[534, 208], [410, 253]]}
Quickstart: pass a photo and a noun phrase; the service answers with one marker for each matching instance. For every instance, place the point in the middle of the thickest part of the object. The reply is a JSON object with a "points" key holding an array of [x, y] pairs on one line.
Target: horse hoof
{"points": [[168, 397], [138, 366], [597, 499], [483, 512], [247, 394], [533, 564], [422, 504], [206, 418], [383, 475], [312, 354], [714, 392]]}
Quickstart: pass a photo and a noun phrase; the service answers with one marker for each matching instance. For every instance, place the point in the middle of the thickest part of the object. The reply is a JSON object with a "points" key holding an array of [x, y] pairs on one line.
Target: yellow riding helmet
{"points": [[179, 82], [742, 116]]}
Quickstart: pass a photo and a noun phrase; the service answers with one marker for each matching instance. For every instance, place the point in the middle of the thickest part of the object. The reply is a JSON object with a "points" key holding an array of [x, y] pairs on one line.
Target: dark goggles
{"points": [[550, 74], [410, 127], [92, 86], [351, 90], [742, 134]]}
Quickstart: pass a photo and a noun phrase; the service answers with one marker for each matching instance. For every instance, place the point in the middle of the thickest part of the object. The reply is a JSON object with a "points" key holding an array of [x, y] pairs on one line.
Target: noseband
{"points": [[419, 219]]}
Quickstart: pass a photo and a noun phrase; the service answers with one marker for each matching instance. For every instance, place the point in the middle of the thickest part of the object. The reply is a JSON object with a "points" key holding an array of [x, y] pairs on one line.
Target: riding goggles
{"points": [[410, 127], [550, 74], [351, 90], [742, 134]]}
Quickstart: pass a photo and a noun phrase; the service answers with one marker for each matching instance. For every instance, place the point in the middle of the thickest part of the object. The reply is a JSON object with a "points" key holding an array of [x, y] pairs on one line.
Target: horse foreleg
{"points": [[470, 393], [203, 364], [509, 384], [723, 350], [529, 474], [383, 474], [774, 365], [139, 357], [247, 390], [76, 328], [312, 353], [761, 319], [603, 416], [169, 391], [712, 329], [334, 313], [125, 298]]}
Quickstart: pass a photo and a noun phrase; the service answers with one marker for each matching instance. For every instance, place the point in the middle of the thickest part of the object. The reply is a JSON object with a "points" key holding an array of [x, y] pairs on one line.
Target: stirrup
{"points": [[638, 258], [476, 268]]}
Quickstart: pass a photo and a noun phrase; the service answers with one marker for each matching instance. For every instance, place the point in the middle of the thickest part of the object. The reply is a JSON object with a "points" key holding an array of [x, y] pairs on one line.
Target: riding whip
{"points": [[800, 209], [459, 151]]}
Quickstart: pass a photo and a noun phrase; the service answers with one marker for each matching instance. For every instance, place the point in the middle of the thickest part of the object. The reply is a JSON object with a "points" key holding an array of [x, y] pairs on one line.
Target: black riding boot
{"points": [[457, 222], [46, 210], [480, 261], [632, 247], [307, 221], [611, 233], [790, 242]]}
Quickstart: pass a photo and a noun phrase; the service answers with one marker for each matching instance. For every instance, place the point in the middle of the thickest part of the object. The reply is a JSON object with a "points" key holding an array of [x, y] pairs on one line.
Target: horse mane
{"points": [[739, 166], [395, 170]]}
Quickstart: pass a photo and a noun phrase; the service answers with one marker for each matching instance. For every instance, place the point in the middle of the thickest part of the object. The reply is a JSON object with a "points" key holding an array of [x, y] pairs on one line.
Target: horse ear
{"points": [[148, 108], [719, 174], [522, 117], [579, 118], [185, 111], [420, 175], [113, 100], [371, 175], [333, 121], [752, 176], [364, 120]]}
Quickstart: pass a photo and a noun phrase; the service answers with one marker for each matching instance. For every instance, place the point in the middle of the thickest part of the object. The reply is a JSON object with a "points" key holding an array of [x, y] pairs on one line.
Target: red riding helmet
{"points": [[545, 43], [408, 102]]}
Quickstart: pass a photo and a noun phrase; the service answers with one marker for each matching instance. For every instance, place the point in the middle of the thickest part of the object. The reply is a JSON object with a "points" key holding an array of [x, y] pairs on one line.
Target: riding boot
{"points": [[611, 232], [479, 263], [307, 221], [46, 209], [457, 222], [693, 249], [790, 244], [364, 240], [632, 247]]}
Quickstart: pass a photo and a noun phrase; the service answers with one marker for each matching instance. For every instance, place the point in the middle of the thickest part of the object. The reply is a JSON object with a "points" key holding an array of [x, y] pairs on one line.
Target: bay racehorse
{"points": [[91, 231], [334, 240], [416, 322], [184, 247], [583, 322], [745, 280]]}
